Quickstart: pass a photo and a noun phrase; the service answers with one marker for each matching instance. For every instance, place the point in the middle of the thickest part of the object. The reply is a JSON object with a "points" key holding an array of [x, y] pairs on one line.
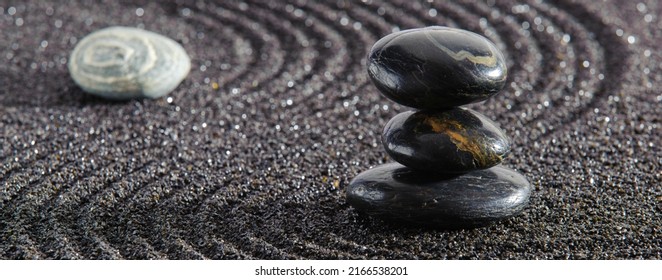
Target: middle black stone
{"points": [[457, 140]]}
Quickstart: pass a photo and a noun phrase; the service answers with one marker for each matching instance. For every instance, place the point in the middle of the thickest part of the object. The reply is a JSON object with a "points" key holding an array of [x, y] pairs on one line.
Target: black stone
{"points": [[399, 194], [450, 141], [436, 67]]}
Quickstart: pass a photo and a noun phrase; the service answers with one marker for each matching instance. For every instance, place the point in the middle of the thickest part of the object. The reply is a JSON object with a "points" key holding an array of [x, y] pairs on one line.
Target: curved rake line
{"points": [[607, 50], [549, 84], [210, 195], [93, 197], [239, 21], [205, 198], [60, 194]]}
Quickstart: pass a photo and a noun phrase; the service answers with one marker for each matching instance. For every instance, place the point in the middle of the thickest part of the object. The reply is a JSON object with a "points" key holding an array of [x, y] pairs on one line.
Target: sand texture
{"points": [[248, 158]]}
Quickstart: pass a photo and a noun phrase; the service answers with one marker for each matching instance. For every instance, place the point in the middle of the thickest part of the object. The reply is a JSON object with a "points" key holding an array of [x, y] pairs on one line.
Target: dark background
{"points": [[250, 156]]}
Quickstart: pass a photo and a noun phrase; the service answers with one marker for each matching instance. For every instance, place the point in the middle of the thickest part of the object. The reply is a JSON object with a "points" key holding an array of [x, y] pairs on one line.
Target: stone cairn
{"points": [[448, 173]]}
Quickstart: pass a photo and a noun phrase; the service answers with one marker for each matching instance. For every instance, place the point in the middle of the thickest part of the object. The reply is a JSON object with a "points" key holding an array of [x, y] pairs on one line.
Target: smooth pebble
{"points": [[125, 63], [436, 67], [450, 141], [405, 196]]}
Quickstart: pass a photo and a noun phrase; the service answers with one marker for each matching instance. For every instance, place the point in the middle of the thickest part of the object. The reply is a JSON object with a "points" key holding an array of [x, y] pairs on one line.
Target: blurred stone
{"points": [[124, 63]]}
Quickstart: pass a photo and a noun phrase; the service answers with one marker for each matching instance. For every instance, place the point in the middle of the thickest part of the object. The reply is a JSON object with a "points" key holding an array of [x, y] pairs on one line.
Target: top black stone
{"points": [[436, 67]]}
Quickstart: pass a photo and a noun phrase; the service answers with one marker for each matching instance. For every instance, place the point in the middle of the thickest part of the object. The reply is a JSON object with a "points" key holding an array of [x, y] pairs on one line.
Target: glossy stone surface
{"points": [[436, 67], [124, 63], [451, 141], [400, 194]]}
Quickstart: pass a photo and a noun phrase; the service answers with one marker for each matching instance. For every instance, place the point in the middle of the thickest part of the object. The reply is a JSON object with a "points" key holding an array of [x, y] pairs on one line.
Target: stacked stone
{"points": [[448, 173]]}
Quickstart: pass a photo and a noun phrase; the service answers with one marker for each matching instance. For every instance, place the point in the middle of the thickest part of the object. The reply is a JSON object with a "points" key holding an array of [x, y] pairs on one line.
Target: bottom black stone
{"points": [[396, 193]]}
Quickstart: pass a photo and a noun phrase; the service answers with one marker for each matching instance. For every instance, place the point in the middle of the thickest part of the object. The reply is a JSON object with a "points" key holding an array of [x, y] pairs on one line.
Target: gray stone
{"points": [[125, 62]]}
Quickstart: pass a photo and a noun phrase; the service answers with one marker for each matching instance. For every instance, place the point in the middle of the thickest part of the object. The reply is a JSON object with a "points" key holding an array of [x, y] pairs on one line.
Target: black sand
{"points": [[250, 155]]}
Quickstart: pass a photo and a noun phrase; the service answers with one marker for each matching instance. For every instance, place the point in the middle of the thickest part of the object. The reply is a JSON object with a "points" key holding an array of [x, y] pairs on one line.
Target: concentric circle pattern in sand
{"points": [[249, 156]]}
